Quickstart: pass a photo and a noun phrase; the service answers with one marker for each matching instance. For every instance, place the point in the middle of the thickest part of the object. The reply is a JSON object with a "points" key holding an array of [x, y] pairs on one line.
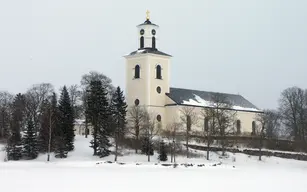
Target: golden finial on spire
{"points": [[147, 15]]}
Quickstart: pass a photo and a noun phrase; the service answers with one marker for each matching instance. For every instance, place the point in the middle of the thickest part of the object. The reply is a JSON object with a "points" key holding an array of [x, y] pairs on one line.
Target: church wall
{"points": [[169, 101], [158, 99], [137, 88], [173, 114]]}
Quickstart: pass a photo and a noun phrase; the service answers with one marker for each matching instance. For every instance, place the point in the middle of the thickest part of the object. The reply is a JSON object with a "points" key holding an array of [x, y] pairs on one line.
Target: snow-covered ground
{"points": [[83, 172]]}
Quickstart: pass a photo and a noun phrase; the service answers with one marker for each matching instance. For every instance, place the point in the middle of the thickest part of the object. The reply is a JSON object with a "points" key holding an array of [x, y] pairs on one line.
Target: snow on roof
{"points": [[148, 50], [204, 99]]}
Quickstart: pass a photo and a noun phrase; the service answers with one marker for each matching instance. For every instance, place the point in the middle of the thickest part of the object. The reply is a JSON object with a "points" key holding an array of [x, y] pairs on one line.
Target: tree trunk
{"points": [[116, 148], [136, 143], [260, 146], [86, 128], [208, 145], [171, 153], [187, 143], [49, 141], [149, 150], [174, 147], [3, 124], [223, 142], [260, 142], [95, 139]]}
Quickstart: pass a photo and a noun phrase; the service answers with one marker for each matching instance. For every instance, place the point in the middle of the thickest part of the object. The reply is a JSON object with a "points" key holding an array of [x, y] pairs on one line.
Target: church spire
{"points": [[147, 15], [147, 34]]}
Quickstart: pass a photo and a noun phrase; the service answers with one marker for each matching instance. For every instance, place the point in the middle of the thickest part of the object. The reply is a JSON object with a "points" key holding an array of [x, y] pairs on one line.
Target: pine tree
{"points": [[30, 148], [60, 144], [103, 144], [43, 136], [14, 145], [66, 119], [98, 115], [54, 120], [147, 146], [119, 111], [162, 152]]}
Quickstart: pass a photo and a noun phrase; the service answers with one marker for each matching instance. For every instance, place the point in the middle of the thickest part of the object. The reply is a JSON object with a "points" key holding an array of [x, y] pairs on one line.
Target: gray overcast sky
{"points": [[253, 47]]}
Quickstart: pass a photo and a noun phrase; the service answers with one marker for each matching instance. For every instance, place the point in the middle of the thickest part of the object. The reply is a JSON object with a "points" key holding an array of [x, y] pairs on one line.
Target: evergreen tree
{"points": [[98, 114], [103, 144], [66, 119], [30, 148], [162, 152], [119, 111], [147, 146], [43, 135], [14, 145], [54, 120], [60, 144]]}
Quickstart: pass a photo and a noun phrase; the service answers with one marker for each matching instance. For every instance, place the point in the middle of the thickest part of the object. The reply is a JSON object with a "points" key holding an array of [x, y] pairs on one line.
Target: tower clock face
{"points": [[153, 32], [142, 32]]}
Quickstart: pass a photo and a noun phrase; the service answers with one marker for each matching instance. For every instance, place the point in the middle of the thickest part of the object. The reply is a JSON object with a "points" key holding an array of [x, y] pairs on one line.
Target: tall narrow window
{"points": [[238, 127], [253, 128], [189, 123], [158, 72], [153, 42], [206, 124], [137, 72], [142, 42]]}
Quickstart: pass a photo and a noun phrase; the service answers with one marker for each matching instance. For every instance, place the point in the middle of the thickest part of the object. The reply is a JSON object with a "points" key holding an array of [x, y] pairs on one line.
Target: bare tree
{"points": [[224, 117], [171, 134], [273, 123], [189, 118], [6, 100], [136, 119], [210, 126], [75, 94], [269, 122], [292, 106], [35, 97], [150, 129], [96, 76], [262, 118]]}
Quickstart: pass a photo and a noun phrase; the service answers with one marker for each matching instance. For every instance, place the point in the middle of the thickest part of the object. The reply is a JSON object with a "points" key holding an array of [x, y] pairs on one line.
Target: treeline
{"points": [[41, 121], [37, 121]]}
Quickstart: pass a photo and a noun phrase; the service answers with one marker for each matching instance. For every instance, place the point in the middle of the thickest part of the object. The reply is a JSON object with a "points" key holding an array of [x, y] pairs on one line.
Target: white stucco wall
{"points": [[145, 87], [174, 112]]}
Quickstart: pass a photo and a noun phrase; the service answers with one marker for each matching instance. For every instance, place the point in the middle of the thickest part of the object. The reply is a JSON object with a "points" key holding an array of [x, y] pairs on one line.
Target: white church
{"points": [[148, 85]]}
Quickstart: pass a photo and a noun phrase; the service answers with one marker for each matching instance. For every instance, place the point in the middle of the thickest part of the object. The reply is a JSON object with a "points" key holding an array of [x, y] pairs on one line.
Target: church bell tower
{"points": [[148, 71]]}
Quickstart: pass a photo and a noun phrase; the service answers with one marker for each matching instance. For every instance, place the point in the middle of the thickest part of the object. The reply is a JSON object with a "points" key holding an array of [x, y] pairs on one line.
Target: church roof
{"points": [[204, 99], [149, 50], [147, 22]]}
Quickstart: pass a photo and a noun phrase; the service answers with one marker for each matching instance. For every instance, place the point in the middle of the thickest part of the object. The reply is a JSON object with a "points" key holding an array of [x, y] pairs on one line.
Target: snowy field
{"points": [[85, 173]]}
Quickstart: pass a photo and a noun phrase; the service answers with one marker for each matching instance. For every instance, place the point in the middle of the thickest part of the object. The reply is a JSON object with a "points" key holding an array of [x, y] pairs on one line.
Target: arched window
{"points": [[142, 42], [238, 127], [253, 127], [137, 72], [206, 124], [158, 72], [137, 102], [189, 123], [153, 42]]}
